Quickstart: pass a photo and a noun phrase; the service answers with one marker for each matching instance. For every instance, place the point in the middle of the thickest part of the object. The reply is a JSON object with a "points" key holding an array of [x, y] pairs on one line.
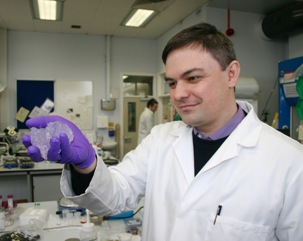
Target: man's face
{"points": [[201, 92], [154, 107]]}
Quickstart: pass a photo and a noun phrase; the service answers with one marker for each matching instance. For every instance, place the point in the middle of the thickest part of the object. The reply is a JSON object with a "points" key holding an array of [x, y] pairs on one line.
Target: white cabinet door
{"points": [[46, 187]]}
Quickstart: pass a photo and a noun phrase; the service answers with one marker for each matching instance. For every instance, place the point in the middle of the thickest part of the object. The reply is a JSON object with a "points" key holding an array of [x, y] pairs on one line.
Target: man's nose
{"points": [[180, 91]]}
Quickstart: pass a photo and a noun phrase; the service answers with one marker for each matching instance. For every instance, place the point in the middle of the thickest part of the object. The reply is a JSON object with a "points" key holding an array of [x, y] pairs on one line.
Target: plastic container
{"points": [[125, 237], [10, 201], [88, 232], [2, 219]]}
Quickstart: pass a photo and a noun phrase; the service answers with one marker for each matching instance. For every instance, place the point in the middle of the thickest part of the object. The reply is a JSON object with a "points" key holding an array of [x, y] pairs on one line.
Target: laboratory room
{"points": [[151, 120]]}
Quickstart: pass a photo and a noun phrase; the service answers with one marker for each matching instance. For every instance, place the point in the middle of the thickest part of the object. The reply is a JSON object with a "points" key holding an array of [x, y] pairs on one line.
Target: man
{"points": [[147, 119], [220, 174]]}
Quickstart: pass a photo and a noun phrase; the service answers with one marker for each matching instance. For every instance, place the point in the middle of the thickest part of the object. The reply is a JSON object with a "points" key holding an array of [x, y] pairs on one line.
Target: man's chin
{"points": [[188, 121]]}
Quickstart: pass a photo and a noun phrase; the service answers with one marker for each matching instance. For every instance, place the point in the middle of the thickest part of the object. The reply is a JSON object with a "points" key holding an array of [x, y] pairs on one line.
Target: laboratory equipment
{"points": [[133, 225], [108, 104], [65, 205], [4, 147], [88, 231], [9, 161], [247, 89], [10, 201], [125, 237], [25, 162], [289, 71]]}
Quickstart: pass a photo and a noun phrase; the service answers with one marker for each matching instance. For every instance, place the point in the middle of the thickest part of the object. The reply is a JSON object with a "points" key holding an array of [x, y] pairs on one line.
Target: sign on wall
{"points": [[74, 101]]}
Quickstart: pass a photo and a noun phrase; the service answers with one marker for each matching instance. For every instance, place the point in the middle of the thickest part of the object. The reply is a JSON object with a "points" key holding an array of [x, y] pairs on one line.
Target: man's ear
{"points": [[233, 73]]}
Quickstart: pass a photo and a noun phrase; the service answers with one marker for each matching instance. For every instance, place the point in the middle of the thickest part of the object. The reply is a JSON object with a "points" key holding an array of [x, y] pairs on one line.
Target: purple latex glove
{"points": [[79, 152]]}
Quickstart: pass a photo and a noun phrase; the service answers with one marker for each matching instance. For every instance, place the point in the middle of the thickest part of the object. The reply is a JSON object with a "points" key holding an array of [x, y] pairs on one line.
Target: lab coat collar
{"points": [[183, 146], [252, 123], [246, 135]]}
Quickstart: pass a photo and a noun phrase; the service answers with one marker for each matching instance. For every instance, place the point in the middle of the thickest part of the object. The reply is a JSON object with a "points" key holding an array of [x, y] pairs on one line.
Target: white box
{"points": [[33, 213]]}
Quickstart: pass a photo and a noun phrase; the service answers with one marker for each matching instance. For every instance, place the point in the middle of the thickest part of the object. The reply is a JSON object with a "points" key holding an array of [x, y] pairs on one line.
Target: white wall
{"points": [[52, 56], [258, 57], [130, 56], [3, 77], [295, 46]]}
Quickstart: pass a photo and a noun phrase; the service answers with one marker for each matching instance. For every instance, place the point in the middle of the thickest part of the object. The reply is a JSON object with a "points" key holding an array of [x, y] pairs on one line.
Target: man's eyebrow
{"points": [[167, 79], [188, 72], [185, 74]]}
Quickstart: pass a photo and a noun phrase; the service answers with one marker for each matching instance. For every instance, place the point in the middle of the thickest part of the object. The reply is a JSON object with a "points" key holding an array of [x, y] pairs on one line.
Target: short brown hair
{"points": [[209, 38]]}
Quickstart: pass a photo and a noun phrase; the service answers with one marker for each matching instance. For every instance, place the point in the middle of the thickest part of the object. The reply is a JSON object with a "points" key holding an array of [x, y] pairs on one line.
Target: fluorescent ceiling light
{"points": [[47, 9], [139, 17]]}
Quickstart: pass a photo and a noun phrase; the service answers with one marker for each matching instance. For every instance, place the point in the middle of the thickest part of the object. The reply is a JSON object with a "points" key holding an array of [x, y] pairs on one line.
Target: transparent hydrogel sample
{"points": [[41, 137]]}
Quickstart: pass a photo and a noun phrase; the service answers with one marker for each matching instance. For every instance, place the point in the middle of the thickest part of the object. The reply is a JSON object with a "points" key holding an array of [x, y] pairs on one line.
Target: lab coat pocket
{"points": [[232, 230]]}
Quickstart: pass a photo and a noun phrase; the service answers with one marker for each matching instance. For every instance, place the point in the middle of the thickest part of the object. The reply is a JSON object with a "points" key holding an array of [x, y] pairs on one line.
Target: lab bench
{"points": [[59, 228], [39, 183]]}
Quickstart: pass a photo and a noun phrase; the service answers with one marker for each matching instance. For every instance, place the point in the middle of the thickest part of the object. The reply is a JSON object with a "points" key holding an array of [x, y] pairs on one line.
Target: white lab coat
{"points": [[256, 175], [146, 123]]}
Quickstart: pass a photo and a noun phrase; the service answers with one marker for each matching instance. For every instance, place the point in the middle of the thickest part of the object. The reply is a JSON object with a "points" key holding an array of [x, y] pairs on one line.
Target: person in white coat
{"points": [[220, 174], [147, 119]]}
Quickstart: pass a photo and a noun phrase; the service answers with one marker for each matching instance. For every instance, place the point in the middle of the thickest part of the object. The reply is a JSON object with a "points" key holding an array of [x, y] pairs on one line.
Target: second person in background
{"points": [[147, 119]]}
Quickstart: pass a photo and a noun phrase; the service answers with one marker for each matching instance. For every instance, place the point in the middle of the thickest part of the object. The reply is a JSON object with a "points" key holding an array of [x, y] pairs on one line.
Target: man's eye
{"points": [[193, 77], [171, 84]]}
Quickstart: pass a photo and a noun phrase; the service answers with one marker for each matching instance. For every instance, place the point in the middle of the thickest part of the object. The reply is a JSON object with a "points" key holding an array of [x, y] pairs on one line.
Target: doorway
{"points": [[137, 90], [132, 109]]}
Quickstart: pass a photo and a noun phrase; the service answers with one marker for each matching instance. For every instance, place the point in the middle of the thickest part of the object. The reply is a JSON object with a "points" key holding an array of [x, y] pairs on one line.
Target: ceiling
{"points": [[103, 17]]}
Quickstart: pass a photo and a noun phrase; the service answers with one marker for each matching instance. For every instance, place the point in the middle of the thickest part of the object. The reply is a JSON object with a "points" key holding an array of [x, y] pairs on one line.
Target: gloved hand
{"points": [[79, 152]]}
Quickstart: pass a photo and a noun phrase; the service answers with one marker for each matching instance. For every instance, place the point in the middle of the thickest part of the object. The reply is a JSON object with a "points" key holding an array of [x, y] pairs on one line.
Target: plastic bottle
{"points": [[10, 201], [88, 231]]}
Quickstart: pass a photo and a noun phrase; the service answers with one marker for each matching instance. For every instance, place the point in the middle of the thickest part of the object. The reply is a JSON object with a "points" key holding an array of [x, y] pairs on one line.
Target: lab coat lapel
{"points": [[239, 137], [183, 148], [227, 151], [183, 145]]}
